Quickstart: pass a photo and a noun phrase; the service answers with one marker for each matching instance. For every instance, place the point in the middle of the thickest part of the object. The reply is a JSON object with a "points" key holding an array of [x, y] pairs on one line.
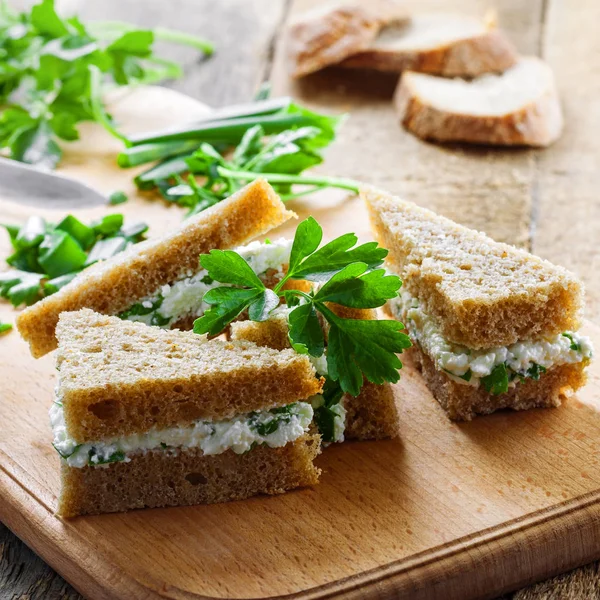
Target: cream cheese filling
{"points": [[184, 298], [275, 428], [523, 359]]}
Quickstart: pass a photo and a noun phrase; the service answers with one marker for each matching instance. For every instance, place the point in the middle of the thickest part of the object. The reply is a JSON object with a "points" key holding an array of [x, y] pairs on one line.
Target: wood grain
{"points": [[487, 189], [569, 46], [453, 511]]}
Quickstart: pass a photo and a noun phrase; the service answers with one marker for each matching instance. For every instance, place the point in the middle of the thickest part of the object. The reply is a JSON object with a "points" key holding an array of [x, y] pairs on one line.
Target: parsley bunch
{"points": [[272, 138], [51, 73], [46, 256], [347, 275]]}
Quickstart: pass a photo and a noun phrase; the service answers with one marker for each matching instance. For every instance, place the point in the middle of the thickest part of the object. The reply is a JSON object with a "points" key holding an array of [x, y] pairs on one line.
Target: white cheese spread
{"points": [[275, 428], [459, 361], [184, 298]]}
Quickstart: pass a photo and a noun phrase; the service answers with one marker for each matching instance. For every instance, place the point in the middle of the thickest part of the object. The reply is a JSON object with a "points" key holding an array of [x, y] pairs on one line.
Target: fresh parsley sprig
{"points": [[47, 256], [275, 139], [347, 275], [52, 71]]}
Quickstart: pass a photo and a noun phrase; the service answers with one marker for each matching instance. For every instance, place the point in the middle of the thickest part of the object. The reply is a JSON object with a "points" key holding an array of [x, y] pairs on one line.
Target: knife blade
{"points": [[25, 184]]}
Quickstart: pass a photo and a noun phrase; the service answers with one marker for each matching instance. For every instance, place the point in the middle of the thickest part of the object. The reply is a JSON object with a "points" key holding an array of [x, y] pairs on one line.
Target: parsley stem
{"points": [[186, 39], [344, 184], [307, 192], [98, 106], [115, 28]]}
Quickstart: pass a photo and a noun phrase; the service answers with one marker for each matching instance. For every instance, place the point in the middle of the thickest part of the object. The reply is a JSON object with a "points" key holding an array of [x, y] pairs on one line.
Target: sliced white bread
{"points": [[518, 108], [440, 44], [329, 34]]}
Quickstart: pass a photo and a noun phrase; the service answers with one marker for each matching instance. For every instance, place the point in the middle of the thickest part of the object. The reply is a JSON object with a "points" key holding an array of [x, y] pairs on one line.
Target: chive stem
{"points": [[139, 155]]}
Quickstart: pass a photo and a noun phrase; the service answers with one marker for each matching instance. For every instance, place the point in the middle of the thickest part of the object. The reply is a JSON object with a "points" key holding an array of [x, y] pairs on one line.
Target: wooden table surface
{"points": [[544, 200]]}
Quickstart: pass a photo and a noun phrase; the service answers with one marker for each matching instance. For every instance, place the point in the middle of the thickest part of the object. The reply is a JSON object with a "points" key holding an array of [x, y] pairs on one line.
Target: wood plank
{"points": [[516, 19], [452, 510], [243, 32], [568, 224], [487, 189]]}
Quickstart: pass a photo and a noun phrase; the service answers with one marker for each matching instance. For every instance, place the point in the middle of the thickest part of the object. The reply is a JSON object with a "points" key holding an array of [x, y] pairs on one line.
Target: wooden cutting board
{"points": [[452, 511]]}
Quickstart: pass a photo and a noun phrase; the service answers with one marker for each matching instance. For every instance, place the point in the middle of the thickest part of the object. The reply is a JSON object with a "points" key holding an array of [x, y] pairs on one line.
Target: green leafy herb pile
{"points": [[347, 275], [273, 138], [51, 74], [46, 256]]}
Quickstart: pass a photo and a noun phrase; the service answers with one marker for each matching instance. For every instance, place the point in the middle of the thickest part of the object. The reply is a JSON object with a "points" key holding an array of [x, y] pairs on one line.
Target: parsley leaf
{"points": [[353, 286], [356, 348], [367, 347], [535, 371], [229, 303], [497, 381], [306, 331], [227, 266], [261, 308], [5, 328], [47, 76], [338, 254], [574, 345]]}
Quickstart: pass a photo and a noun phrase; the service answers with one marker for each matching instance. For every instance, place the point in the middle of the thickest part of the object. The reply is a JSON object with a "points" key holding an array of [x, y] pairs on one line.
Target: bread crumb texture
{"points": [[483, 293], [121, 377], [327, 35], [160, 478], [520, 107], [463, 402], [112, 286]]}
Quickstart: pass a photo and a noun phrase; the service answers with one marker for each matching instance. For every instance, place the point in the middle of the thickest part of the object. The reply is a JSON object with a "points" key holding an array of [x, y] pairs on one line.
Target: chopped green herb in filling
{"points": [[497, 369], [330, 414], [275, 428]]}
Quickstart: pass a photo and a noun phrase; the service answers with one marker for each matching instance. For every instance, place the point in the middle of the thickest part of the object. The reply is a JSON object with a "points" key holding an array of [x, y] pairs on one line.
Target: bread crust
{"points": [[120, 377], [114, 285], [187, 477], [538, 123], [489, 52], [482, 293], [373, 414], [325, 37], [463, 402]]}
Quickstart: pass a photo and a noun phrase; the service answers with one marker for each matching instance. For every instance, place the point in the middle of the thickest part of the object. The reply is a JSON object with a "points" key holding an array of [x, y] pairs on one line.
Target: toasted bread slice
{"points": [[112, 286], [482, 293], [518, 108], [327, 35], [463, 402], [372, 415], [157, 478], [440, 44], [120, 377]]}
